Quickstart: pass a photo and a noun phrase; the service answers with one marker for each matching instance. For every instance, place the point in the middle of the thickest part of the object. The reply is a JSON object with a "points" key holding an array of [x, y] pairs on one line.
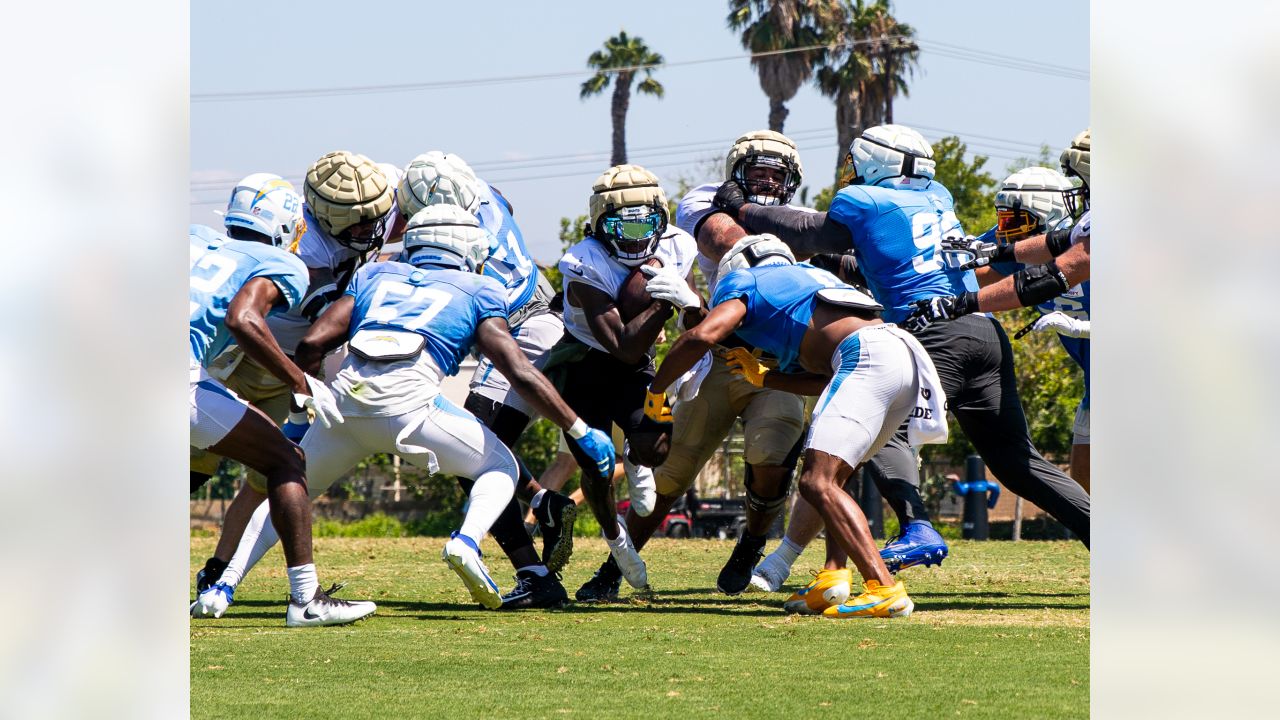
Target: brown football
{"points": [[632, 297]]}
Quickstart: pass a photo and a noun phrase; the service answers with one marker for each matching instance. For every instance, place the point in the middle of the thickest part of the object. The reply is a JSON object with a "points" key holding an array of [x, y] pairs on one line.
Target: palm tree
{"points": [[897, 53], [768, 26], [619, 61]]}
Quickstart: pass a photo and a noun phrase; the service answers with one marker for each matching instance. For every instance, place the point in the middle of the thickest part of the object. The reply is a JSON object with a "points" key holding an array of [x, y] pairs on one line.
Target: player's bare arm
{"points": [[247, 322], [629, 342], [494, 341], [327, 334], [692, 345], [1038, 283]]}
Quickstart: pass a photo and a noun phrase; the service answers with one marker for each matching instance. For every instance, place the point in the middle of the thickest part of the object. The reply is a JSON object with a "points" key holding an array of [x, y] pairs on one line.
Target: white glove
{"points": [[670, 287], [321, 401], [1064, 324]]}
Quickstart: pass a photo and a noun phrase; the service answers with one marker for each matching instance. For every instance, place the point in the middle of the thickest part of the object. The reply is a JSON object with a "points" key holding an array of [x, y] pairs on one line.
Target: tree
{"points": [[972, 188], [1044, 158], [621, 58], [769, 26]]}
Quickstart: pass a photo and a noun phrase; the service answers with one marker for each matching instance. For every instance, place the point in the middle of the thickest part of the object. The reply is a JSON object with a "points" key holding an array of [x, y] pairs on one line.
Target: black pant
{"points": [[975, 363], [605, 391], [893, 468]]}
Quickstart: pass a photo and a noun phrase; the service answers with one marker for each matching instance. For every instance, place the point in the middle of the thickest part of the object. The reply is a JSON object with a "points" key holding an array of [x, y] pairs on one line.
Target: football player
{"points": [[829, 341], [348, 214], [606, 359], [895, 217], [235, 284], [436, 177]]}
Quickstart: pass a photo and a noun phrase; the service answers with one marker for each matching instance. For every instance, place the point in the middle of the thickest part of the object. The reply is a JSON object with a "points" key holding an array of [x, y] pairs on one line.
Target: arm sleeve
{"points": [[808, 233]]}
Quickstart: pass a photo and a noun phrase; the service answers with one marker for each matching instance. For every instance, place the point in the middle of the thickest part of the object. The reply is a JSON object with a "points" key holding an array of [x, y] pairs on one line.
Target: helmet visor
{"points": [[1013, 225], [633, 230]]}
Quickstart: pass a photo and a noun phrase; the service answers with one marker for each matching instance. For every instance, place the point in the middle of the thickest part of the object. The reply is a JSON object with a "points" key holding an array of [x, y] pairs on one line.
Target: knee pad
{"points": [[768, 505], [1039, 283]]}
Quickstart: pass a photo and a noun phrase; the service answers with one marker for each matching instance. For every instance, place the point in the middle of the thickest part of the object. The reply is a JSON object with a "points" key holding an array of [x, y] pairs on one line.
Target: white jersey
{"points": [[590, 263], [1080, 231]]}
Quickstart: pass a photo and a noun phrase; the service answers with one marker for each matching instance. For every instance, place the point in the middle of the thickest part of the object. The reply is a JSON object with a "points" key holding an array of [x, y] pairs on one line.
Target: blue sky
{"points": [[504, 129]]}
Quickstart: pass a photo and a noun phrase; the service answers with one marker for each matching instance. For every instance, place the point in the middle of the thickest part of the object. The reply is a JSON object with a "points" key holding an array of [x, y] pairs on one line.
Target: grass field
{"points": [[1001, 630]]}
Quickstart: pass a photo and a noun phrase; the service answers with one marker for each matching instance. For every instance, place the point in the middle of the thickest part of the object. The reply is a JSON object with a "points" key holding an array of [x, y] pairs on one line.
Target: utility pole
{"points": [[888, 78]]}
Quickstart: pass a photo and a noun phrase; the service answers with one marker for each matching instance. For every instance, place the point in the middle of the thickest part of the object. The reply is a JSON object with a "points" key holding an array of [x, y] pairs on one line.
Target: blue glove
{"points": [[296, 426], [599, 448]]}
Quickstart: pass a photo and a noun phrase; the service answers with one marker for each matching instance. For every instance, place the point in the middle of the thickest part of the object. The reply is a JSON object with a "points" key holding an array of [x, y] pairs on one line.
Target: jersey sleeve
{"points": [[586, 263], [490, 299], [285, 270], [678, 251], [737, 285], [696, 206], [1080, 231], [852, 207]]}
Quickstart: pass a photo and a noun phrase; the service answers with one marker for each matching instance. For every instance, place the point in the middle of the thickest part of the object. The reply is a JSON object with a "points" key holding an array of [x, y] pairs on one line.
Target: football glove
{"points": [[969, 252], [599, 448], [948, 307], [321, 401], [730, 198], [670, 287], [656, 407], [745, 365], [1064, 324]]}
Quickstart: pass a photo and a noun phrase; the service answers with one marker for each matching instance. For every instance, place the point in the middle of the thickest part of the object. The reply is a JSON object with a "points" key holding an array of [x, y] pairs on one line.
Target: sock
{"points": [[539, 570], [538, 497], [259, 537], [620, 541], [489, 497], [788, 551], [303, 583]]}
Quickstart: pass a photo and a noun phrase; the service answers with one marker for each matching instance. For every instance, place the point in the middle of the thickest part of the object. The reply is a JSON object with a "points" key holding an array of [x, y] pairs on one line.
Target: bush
{"points": [[375, 525]]}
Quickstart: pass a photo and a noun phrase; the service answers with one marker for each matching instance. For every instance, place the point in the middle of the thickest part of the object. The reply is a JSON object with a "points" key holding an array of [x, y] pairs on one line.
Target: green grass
{"points": [[1002, 630]]}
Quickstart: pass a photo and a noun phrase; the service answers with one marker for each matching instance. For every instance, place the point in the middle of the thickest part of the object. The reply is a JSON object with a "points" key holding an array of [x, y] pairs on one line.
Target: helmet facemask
{"points": [[767, 179], [366, 236], [632, 233], [1077, 199]]}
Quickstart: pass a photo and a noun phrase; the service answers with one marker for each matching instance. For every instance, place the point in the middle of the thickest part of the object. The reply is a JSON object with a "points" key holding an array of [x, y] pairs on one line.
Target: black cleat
{"points": [[556, 516], [535, 592], [209, 574], [736, 574], [603, 586]]}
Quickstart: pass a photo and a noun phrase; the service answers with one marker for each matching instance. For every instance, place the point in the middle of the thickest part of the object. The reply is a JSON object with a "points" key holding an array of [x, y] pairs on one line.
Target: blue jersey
{"points": [[219, 268], [779, 300], [1073, 302], [509, 262], [897, 236], [443, 306]]}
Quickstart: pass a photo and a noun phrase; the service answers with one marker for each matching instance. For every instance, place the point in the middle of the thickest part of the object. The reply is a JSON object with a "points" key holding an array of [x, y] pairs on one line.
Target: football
{"points": [[633, 299]]}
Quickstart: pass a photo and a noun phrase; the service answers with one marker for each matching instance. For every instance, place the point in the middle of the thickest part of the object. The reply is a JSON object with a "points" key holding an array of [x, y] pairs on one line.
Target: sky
{"points": [[542, 146]]}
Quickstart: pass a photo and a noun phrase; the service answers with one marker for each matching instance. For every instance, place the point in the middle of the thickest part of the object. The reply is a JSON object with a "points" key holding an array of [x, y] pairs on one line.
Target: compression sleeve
{"points": [[806, 232]]}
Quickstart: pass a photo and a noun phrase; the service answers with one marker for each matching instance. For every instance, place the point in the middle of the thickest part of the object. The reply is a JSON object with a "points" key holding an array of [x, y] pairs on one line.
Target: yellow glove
{"points": [[745, 365], [656, 407]]}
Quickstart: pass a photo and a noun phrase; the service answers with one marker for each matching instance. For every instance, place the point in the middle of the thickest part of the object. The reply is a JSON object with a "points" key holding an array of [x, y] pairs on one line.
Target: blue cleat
{"points": [[918, 544]]}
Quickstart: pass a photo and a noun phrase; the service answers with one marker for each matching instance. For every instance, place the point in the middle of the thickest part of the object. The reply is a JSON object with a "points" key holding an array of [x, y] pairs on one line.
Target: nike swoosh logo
{"points": [[577, 271], [846, 609], [310, 615], [551, 518]]}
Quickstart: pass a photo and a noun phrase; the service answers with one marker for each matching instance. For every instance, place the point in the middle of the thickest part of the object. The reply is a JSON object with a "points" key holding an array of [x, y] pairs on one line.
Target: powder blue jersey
{"points": [[219, 268], [780, 300], [897, 236], [1073, 302], [509, 263], [444, 306]]}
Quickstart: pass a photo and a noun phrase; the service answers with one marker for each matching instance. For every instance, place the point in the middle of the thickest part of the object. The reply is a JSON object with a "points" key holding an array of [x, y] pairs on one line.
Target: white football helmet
{"points": [[885, 152], [268, 205], [350, 198], [1075, 163], [446, 235], [628, 213], [437, 177], [755, 251], [764, 149], [1031, 201]]}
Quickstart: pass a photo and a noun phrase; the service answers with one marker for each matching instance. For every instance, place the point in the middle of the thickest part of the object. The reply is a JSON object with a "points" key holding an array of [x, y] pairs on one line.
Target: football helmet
{"points": [[753, 251], [350, 198], [1031, 201], [446, 235], [628, 213], [766, 165], [885, 152], [268, 205], [1075, 163], [437, 177]]}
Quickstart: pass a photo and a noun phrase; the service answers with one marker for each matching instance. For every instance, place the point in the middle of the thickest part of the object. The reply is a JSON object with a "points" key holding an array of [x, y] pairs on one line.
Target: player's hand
{"points": [[1064, 324], [969, 252], [656, 407], [672, 288], [599, 448], [938, 309], [730, 198], [296, 426], [745, 365], [321, 401]]}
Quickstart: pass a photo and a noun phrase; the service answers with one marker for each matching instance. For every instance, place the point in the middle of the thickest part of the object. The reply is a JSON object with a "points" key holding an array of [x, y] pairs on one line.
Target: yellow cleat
{"points": [[876, 600], [828, 589]]}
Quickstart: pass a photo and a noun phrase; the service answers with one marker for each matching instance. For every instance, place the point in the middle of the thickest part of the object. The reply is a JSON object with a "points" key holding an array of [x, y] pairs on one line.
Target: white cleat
{"points": [[770, 573], [213, 602], [324, 610], [464, 558], [629, 560], [641, 484]]}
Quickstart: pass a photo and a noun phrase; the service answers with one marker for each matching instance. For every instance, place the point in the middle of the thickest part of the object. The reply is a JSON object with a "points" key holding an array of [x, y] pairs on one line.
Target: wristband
{"points": [[578, 429], [299, 418], [1004, 254], [1058, 241]]}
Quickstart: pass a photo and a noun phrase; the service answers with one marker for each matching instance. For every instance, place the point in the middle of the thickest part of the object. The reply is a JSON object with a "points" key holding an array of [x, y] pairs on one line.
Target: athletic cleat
{"points": [[875, 600], [533, 591], [629, 561], [555, 517], [918, 544], [209, 574], [828, 589], [213, 602], [463, 555], [603, 586], [770, 574], [736, 573], [325, 610]]}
